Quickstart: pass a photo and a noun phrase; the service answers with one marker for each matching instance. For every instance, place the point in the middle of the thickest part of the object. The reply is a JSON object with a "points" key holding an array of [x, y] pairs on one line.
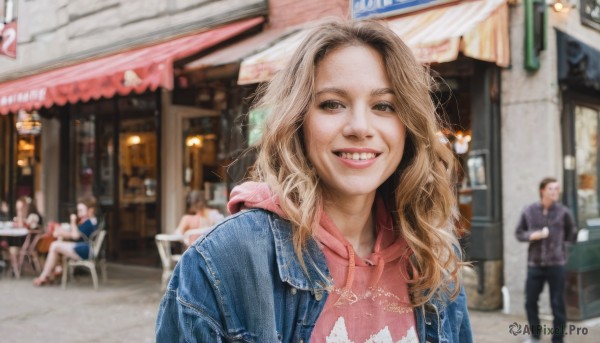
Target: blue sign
{"points": [[362, 9]]}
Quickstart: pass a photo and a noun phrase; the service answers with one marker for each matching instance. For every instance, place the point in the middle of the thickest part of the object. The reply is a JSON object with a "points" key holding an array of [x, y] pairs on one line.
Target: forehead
{"points": [[348, 50], [351, 62], [552, 185]]}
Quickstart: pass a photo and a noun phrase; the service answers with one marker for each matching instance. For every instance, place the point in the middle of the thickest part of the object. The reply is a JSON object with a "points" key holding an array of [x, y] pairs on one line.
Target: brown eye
{"points": [[384, 107], [330, 105]]}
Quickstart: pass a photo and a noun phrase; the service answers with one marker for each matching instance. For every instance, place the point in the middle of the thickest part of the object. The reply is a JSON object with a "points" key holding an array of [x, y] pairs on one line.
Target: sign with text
{"points": [[362, 9], [8, 39]]}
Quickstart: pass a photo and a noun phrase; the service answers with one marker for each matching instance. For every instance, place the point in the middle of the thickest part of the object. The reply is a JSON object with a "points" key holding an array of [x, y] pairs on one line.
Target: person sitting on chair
{"points": [[202, 218], [4, 211], [78, 247], [27, 214]]}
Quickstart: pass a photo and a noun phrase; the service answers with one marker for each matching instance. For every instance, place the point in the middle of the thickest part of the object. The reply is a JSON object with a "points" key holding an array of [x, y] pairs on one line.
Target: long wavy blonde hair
{"points": [[421, 191]]}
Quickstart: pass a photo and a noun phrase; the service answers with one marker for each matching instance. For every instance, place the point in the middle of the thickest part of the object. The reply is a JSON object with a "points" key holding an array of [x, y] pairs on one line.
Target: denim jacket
{"points": [[243, 282]]}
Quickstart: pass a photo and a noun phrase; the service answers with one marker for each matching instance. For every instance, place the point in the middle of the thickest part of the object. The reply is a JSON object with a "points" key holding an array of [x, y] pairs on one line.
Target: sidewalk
{"points": [[494, 326], [124, 310]]}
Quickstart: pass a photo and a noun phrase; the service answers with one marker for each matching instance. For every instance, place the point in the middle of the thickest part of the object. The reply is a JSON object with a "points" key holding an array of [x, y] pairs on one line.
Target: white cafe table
{"points": [[13, 232], [169, 260], [7, 231]]}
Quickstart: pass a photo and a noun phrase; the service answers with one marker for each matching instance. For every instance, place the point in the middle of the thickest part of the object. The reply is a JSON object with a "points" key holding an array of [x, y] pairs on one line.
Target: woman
{"points": [[27, 214], [194, 225], [347, 232], [4, 211], [81, 227]]}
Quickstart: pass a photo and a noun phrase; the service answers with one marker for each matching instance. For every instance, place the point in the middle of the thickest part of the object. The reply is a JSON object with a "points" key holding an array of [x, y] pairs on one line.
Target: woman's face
{"points": [[353, 133], [19, 205], [82, 211]]}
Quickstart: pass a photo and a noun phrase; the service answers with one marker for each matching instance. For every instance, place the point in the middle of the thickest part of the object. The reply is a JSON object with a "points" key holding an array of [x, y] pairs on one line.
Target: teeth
{"points": [[357, 156]]}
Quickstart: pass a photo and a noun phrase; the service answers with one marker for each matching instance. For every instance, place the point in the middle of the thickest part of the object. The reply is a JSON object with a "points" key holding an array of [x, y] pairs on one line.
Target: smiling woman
{"points": [[354, 137], [347, 230]]}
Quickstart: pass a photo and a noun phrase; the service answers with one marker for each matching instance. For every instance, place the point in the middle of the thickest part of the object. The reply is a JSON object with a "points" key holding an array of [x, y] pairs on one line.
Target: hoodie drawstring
{"points": [[378, 271], [351, 265], [380, 265]]}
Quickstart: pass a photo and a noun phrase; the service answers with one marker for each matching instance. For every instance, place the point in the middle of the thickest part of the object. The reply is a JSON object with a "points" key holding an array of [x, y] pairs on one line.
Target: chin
{"points": [[355, 190]]}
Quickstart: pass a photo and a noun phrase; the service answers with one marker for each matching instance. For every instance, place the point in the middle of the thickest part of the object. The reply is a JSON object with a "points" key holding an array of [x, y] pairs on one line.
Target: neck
{"points": [[547, 203], [353, 219]]}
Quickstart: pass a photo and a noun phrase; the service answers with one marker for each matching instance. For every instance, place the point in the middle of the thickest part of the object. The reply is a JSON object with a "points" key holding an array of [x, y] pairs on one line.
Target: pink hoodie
{"points": [[369, 301]]}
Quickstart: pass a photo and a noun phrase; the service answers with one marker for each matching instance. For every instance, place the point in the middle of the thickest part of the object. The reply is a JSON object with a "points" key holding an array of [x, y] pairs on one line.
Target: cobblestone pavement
{"points": [[124, 310]]}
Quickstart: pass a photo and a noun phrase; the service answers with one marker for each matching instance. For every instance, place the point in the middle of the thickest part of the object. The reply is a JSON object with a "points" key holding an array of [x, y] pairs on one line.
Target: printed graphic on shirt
{"points": [[383, 299], [339, 334]]}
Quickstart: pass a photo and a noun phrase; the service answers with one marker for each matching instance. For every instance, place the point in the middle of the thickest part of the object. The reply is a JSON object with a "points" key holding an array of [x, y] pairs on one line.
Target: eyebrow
{"points": [[341, 92]]}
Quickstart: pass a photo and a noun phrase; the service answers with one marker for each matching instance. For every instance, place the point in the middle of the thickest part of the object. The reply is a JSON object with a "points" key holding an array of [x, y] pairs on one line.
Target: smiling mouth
{"points": [[357, 156]]}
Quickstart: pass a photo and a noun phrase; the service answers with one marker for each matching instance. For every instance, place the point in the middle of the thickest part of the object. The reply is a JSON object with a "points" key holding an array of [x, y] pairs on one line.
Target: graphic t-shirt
{"points": [[370, 301]]}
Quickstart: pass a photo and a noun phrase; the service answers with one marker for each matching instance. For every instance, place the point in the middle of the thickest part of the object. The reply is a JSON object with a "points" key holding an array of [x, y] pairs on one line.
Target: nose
{"points": [[358, 123]]}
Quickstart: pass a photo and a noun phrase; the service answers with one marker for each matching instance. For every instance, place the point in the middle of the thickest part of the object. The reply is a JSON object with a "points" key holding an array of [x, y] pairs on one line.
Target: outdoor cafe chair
{"points": [[95, 259], [28, 250]]}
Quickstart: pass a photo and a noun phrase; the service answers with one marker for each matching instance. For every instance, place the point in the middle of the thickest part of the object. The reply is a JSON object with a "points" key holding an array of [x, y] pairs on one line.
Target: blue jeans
{"points": [[536, 277]]}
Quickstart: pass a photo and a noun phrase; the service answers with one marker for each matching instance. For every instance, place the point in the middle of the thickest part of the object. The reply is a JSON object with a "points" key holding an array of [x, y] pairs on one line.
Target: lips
{"points": [[357, 156]]}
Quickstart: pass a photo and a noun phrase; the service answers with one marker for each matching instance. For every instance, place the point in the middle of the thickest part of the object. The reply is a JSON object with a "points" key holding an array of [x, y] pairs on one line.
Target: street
{"points": [[124, 310]]}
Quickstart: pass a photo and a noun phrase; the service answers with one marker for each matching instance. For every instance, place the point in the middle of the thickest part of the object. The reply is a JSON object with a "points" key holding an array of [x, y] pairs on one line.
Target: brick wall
{"points": [[284, 13]]}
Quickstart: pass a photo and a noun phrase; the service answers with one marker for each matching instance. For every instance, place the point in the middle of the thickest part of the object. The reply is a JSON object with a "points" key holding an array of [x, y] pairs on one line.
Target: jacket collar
{"points": [[317, 279]]}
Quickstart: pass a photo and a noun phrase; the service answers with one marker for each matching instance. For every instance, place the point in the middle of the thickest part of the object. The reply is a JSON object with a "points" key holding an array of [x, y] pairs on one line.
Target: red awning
{"points": [[478, 29], [131, 71]]}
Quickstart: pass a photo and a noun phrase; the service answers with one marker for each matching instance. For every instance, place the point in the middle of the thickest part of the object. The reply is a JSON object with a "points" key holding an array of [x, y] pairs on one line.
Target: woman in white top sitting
{"points": [[27, 214], [200, 219]]}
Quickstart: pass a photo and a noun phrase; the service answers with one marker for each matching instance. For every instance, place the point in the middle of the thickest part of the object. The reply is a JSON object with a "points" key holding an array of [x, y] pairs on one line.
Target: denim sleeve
{"points": [[457, 318], [464, 334], [188, 311], [175, 325]]}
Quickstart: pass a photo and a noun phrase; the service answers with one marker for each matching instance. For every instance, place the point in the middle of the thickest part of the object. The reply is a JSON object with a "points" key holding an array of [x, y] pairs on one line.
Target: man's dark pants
{"points": [[536, 277]]}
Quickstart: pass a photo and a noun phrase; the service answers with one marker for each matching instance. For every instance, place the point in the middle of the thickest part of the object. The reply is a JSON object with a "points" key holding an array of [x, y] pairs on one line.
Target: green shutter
{"points": [[536, 23]]}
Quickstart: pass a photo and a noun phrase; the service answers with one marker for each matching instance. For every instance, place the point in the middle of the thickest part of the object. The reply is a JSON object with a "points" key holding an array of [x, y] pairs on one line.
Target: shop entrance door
{"points": [[136, 188], [114, 158]]}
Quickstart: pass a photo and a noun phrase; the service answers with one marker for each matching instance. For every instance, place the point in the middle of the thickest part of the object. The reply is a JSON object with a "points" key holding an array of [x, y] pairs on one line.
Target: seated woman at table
{"points": [[27, 215], [81, 227], [4, 211], [191, 226]]}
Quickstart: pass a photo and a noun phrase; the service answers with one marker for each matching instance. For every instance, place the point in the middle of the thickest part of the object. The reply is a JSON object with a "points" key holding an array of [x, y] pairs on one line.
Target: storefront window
{"points": [[201, 168], [106, 151], [137, 161], [586, 141], [85, 138], [5, 137]]}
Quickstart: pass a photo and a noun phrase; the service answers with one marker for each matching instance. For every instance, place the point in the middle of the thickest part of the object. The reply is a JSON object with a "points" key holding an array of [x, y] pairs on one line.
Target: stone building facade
{"points": [[55, 33], [534, 132]]}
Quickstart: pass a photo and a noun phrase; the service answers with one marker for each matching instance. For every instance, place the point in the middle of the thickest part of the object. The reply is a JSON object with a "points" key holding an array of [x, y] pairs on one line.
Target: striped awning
{"points": [[262, 66], [477, 28], [236, 52], [136, 70]]}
